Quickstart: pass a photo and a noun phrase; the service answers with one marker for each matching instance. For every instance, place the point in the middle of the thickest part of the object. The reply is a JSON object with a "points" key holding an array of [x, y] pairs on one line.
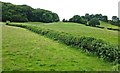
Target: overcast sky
{"points": [[68, 8]]}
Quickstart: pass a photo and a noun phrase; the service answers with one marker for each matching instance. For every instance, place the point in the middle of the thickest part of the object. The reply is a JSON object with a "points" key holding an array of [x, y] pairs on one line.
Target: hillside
{"points": [[107, 25], [33, 38], [25, 50], [109, 36]]}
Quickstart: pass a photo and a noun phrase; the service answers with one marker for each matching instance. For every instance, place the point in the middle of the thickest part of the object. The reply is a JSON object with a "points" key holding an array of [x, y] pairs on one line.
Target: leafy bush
{"points": [[89, 44]]}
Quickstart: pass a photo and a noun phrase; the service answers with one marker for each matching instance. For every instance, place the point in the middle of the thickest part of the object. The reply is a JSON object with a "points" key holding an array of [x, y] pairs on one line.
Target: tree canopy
{"points": [[78, 19], [94, 22], [24, 13], [94, 19]]}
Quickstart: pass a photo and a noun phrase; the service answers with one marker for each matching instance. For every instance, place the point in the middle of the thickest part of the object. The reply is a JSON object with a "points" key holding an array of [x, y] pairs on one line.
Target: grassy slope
{"points": [[82, 30], [107, 25], [25, 50]]}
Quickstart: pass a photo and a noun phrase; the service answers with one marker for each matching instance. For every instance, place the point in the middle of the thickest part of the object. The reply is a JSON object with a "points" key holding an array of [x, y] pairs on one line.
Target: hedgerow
{"points": [[113, 29], [89, 44]]}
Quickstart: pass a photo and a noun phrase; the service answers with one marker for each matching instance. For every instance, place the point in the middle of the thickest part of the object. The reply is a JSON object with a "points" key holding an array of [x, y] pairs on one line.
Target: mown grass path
{"points": [[25, 50]]}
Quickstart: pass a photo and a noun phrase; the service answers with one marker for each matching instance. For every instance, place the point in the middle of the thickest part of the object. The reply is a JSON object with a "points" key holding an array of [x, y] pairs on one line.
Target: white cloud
{"points": [[68, 8]]}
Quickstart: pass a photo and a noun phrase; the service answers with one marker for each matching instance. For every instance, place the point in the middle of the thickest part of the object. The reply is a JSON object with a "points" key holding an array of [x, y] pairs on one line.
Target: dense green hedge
{"points": [[100, 27], [88, 44], [114, 29]]}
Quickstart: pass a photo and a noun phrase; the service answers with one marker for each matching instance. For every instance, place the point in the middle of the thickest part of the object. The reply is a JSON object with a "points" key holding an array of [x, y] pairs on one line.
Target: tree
{"points": [[115, 19], [92, 16], [55, 17], [63, 20], [26, 10], [78, 19], [23, 13], [87, 16], [19, 18], [83, 21], [75, 18], [94, 22], [99, 16], [47, 17], [104, 18]]}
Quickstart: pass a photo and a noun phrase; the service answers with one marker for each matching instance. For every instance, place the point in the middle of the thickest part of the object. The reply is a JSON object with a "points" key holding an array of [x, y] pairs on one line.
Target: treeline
{"points": [[93, 19], [88, 44], [115, 21], [24, 13]]}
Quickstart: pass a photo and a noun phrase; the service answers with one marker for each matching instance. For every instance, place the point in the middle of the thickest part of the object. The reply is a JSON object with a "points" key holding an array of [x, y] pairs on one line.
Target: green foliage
{"points": [[113, 29], [88, 18], [94, 22], [88, 44], [64, 20], [18, 18], [78, 19], [104, 18], [115, 21], [83, 21], [75, 18], [15, 12], [24, 13]]}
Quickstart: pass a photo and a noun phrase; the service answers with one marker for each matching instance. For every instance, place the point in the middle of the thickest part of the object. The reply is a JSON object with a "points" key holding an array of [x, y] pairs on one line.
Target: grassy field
{"points": [[107, 25], [109, 36], [25, 50]]}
